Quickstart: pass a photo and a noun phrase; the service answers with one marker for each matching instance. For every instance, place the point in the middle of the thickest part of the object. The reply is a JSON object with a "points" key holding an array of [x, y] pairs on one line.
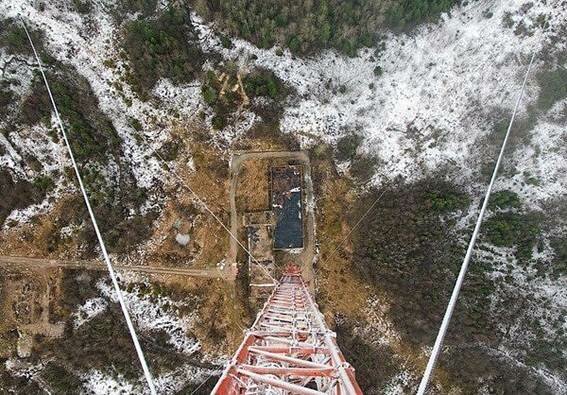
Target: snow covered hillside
{"points": [[431, 103]]}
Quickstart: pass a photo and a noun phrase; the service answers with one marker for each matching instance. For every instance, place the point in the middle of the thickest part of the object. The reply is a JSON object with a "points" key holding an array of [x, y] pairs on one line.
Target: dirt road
{"points": [[43, 263], [305, 258]]}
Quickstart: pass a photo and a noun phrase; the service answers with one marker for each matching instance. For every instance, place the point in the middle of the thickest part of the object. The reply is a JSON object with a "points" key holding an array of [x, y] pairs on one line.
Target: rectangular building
{"points": [[287, 205]]}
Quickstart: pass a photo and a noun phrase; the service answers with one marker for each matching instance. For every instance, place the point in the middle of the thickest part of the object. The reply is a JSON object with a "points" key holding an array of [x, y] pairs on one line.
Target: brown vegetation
{"points": [[253, 183]]}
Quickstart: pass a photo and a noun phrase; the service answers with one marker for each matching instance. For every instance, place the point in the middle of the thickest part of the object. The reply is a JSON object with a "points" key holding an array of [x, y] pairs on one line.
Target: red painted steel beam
{"points": [[288, 347]]}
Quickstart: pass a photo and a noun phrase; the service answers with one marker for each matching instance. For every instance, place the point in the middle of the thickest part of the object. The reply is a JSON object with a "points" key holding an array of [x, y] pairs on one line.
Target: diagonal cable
{"points": [[205, 206], [454, 296], [133, 335]]}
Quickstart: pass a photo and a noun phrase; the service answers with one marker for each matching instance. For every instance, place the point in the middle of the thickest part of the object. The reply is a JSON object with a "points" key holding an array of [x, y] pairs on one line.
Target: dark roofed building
{"points": [[286, 199]]}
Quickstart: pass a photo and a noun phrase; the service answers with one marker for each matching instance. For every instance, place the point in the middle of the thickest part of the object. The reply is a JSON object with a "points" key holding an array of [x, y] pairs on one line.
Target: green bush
{"points": [[409, 250], [13, 37], [378, 71], [169, 151], [136, 124], [6, 98], [162, 48], [364, 167], [82, 6], [60, 379], [347, 146], [504, 199], [406, 13], [559, 246], [219, 122], [447, 201], [209, 95], [301, 26], [553, 87], [262, 83], [91, 138], [44, 184], [511, 229]]}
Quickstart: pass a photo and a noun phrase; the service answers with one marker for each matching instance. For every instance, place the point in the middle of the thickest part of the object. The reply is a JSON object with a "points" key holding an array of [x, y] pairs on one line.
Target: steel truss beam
{"points": [[289, 349]]}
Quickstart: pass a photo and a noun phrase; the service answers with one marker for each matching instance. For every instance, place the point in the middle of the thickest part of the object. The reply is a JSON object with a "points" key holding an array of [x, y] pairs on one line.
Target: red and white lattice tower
{"points": [[289, 349]]}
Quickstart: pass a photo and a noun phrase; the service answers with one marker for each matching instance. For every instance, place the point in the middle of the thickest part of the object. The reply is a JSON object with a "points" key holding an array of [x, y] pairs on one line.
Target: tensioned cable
{"points": [[133, 335], [451, 306], [203, 382], [198, 198], [202, 202], [334, 250]]}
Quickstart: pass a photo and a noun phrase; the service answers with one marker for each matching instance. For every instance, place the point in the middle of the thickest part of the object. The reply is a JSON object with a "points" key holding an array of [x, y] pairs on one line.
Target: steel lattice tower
{"points": [[289, 349]]}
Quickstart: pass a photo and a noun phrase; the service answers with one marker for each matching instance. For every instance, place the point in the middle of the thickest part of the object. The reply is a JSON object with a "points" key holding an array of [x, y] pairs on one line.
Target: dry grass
{"points": [[252, 188], [39, 237], [210, 178], [263, 144], [182, 212], [340, 289], [208, 243], [222, 318]]}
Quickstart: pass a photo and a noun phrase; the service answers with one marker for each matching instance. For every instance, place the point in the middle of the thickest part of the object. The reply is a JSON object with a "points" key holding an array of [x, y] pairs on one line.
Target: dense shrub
{"points": [[447, 201], [13, 37], [405, 13], [82, 6], [43, 183], [363, 168], [307, 26], [6, 98], [301, 26], [15, 194], [347, 146], [262, 83], [210, 94], [378, 71], [559, 246], [511, 229], [553, 87], [162, 48], [60, 379], [91, 134], [410, 250], [504, 199]]}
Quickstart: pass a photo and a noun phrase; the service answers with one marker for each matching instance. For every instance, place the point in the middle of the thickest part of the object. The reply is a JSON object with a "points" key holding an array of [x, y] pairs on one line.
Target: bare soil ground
{"points": [[252, 192], [42, 236], [182, 214]]}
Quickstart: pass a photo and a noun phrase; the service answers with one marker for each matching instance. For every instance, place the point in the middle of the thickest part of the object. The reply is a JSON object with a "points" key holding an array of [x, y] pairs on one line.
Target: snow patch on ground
{"points": [[172, 382], [433, 101], [88, 310], [379, 324], [97, 382], [151, 313], [544, 159], [401, 383]]}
